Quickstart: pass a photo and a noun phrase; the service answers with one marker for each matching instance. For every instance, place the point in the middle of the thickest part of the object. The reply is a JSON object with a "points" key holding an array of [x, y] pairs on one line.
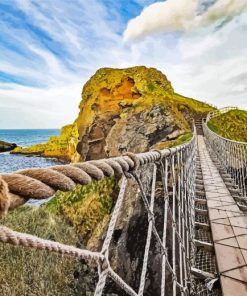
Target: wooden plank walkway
{"points": [[228, 225]]}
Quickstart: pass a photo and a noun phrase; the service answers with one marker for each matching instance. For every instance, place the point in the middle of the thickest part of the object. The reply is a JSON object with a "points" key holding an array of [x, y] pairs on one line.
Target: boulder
{"points": [[5, 146]]}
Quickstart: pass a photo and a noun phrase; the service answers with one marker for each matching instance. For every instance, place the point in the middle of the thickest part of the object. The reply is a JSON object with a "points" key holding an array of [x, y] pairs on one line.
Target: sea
{"points": [[24, 138]]}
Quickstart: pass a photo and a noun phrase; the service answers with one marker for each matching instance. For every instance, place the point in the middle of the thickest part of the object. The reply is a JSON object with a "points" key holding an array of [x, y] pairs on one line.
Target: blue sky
{"points": [[50, 48]]}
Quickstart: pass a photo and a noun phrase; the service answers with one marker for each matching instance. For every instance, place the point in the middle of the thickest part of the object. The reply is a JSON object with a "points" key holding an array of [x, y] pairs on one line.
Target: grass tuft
{"points": [[33, 272]]}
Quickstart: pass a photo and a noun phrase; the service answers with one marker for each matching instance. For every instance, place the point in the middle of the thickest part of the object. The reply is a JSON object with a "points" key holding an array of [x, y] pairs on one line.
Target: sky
{"points": [[50, 48]]}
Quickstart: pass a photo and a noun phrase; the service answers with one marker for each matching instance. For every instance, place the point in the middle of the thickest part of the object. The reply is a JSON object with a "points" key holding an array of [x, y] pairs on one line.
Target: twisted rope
{"points": [[30, 241], [103, 270], [4, 197], [149, 235]]}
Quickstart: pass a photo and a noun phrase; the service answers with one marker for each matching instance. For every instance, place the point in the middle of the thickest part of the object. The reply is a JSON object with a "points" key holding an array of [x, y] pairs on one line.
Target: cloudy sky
{"points": [[49, 48]]}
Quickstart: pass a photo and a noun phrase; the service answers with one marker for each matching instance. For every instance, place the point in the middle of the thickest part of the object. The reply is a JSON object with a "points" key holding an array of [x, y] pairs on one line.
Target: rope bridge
{"points": [[175, 168], [182, 239]]}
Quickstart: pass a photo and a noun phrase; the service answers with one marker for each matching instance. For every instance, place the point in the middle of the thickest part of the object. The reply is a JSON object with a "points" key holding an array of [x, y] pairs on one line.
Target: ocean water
{"points": [[10, 163]]}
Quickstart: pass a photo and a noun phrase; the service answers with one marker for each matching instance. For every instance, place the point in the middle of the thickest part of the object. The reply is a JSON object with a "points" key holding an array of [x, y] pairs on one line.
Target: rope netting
{"points": [[175, 167], [232, 155]]}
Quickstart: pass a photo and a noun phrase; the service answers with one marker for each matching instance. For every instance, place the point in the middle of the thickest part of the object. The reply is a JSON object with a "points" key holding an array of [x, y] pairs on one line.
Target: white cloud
{"points": [[209, 64], [180, 15], [210, 73], [38, 108], [57, 75]]}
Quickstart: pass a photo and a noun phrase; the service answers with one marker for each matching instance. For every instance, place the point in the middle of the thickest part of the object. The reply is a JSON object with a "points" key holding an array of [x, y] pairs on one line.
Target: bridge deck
{"points": [[228, 226]]}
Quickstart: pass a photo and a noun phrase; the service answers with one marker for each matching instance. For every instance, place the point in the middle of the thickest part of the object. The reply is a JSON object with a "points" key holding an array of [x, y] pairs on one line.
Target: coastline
{"points": [[38, 155], [61, 147], [11, 162]]}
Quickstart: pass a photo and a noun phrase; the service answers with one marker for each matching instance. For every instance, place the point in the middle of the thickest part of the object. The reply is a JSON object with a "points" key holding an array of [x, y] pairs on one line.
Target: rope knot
{"points": [[134, 158], [164, 251], [104, 263], [160, 154]]}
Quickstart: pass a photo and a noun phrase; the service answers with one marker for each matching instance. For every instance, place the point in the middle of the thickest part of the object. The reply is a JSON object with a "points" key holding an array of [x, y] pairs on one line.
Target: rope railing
{"points": [[174, 168], [232, 155]]}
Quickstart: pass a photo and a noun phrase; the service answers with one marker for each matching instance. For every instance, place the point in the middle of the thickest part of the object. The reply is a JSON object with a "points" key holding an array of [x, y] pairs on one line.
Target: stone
{"points": [[5, 146]]}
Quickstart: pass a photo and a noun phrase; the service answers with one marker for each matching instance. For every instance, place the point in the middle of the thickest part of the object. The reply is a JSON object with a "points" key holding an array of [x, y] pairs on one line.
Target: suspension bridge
{"points": [[202, 240]]}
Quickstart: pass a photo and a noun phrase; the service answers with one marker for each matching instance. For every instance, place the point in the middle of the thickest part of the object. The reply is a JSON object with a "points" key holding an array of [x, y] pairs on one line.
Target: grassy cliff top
{"points": [[138, 88], [139, 84], [231, 125]]}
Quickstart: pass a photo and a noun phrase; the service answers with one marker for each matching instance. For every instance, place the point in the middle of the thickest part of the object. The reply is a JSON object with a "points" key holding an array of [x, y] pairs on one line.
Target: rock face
{"points": [[5, 146], [131, 110]]}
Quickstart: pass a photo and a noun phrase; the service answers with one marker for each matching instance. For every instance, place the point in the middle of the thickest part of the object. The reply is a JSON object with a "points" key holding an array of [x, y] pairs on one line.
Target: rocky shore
{"points": [[62, 147]]}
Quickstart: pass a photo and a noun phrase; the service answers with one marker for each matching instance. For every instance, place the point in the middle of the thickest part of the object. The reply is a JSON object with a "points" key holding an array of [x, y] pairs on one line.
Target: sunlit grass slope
{"points": [[231, 125]]}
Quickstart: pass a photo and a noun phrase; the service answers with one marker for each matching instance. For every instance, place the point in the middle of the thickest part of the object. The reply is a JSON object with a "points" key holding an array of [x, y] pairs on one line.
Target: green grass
{"points": [[231, 125], [179, 141], [195, 106], [85, 207], [33, 272]]}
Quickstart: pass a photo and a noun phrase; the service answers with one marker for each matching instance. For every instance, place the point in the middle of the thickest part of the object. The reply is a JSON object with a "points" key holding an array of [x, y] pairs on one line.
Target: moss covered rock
{"points": [[86, 206], [131, 109]]}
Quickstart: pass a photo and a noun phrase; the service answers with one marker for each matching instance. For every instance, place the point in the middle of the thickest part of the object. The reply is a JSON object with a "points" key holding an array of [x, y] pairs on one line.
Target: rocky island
{"points": [[5, 146]]}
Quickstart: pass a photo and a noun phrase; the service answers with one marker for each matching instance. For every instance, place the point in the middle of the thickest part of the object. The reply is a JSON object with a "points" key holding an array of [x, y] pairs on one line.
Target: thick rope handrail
{"points": [[42, 183]]}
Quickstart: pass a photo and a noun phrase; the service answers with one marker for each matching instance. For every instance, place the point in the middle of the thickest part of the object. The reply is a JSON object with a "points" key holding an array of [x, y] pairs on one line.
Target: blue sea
{"points": [[24, 138]]}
